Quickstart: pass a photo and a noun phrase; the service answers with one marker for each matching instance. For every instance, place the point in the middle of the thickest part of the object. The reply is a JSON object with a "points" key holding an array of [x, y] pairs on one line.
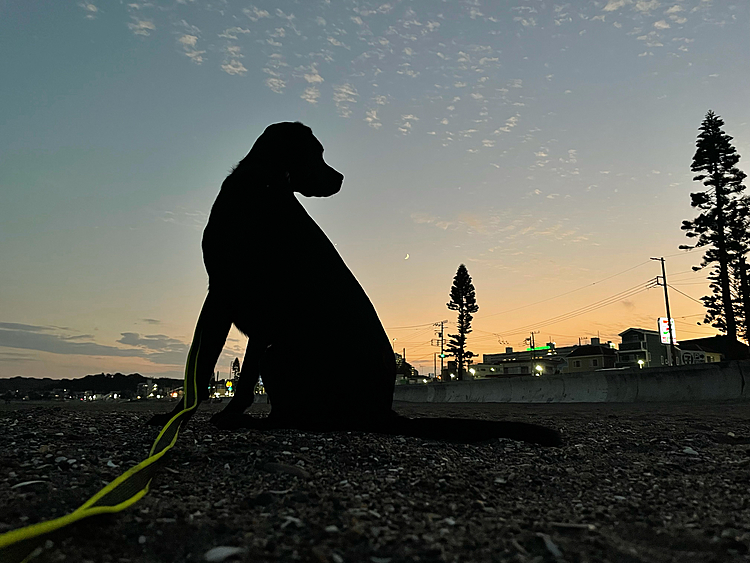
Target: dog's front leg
{"points": [[231, 416], [212, 328]]}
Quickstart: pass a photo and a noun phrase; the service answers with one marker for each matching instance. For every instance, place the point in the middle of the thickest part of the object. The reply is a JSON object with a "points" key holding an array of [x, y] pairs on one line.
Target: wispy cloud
{"points": [[311, 94], [188, 44], [90, 10], [343, 95], [141, 27], [156, 348], [46, 339], [372, 119]]}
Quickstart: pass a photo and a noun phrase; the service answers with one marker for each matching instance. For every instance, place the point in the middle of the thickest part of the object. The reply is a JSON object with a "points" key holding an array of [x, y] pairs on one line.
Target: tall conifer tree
{"points": [[463, 300], [715, 161]]}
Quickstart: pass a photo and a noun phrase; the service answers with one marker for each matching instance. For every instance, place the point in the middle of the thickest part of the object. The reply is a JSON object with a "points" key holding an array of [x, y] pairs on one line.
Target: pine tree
{"points": [[716, 226], [236, 368], [463, 300], [740, 271]]}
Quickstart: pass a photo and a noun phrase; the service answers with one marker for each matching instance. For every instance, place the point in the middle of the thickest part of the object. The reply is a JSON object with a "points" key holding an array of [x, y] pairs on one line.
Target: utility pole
{"points": [[531, 352], [441, 343], [669, 316]]}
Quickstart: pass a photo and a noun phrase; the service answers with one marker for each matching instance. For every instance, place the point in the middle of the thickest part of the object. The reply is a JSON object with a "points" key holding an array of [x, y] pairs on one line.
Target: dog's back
{"points": [[297, 294]]}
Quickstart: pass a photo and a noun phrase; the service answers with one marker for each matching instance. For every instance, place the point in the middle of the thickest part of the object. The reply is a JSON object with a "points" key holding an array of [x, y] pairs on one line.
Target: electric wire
{"points": [[563, 294], [643, 286], [686, 295]]}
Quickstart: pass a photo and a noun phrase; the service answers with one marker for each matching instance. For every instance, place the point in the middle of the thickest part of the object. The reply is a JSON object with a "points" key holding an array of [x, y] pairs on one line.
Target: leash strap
{"points": [[18, 546]]}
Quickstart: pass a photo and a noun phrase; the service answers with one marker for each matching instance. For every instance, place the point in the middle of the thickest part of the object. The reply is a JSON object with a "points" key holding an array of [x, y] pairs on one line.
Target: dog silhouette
{"points": [[275, 275]]}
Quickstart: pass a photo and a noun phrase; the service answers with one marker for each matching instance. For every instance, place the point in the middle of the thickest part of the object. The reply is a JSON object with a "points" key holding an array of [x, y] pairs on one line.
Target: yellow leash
{"points": [[17, 546]]}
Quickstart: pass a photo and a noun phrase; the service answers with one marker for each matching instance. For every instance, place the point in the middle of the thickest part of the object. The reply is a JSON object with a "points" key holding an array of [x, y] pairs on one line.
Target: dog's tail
{"points": [[471, 430], [464, 430]]}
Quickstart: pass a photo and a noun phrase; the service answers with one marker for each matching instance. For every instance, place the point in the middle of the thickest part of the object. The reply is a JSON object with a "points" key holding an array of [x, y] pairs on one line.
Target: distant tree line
{"points": [[98, 383]]}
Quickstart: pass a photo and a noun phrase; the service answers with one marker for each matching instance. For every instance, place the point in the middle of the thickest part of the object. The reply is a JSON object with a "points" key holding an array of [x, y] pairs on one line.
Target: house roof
{"points": [[719, 343], [592, 350], [646, 331]]}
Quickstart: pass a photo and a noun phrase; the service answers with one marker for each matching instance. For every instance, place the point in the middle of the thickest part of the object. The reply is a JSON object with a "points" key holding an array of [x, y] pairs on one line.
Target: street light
{"points": [[539, 370], [640, 363]]}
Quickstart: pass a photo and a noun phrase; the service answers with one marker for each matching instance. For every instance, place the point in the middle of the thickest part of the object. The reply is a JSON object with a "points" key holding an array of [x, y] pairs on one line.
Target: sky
{"points": [[545, 145]]}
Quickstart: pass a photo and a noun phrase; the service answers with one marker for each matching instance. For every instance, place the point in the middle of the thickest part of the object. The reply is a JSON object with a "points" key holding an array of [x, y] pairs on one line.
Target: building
{"points": [[541, 360], [641, 348], [711, 349], [591, 357]]}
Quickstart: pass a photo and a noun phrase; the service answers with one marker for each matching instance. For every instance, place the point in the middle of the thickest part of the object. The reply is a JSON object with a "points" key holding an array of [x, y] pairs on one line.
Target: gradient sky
{"points": [[545, 145]]}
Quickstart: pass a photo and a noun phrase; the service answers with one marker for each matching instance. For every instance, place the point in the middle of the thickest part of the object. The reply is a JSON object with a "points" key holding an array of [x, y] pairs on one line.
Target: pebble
{"points": [[222, 552]]}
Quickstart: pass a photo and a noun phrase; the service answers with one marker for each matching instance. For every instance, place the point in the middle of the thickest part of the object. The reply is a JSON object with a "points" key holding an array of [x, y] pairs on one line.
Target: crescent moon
{"points": [[407, 256]]}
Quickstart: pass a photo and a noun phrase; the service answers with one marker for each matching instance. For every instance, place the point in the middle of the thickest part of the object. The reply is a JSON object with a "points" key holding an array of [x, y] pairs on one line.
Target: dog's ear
{"points": [[267, 163], [288, 154]]}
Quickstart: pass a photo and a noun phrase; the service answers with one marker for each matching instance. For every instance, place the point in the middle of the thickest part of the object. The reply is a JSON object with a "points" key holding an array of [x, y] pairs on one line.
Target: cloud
{"points": [[311, 94], [661, 24], [406, 121], [188, 43], [231, 32], [233, 67], [274, 83], [646, 5], [141, 27], [156, 348], [152, 321], [510, 123], [616, 5], [343, 95], [313, 77], [160, 342], [181, 216], [91, 10], [255, 14], [29, 337], [24, 327], [426, 218], [16, 357], [372, 119]]}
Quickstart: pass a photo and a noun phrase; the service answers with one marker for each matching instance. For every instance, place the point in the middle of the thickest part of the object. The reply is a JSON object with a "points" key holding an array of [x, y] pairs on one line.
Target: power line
{"points": [[411, 326], [588, 285], [643, 286], [686, 295]]}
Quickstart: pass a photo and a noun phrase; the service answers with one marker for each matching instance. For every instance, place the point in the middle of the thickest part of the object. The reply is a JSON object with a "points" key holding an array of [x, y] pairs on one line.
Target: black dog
{"points": [[301, 308]]}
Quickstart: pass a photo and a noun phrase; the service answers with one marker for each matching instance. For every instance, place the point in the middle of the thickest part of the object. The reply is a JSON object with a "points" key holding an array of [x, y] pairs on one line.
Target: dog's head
{"points": [[288, 154]]}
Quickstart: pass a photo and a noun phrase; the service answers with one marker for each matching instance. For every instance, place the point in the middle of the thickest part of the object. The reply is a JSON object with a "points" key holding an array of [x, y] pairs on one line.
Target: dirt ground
{"points": [[633, 483]]}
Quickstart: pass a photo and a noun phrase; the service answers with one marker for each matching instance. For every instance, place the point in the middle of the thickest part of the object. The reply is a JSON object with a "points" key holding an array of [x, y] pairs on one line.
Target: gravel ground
{"points": [[649, 482]]}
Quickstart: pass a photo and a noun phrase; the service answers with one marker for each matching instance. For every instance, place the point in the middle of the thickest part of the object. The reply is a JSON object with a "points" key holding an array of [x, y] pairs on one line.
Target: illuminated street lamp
{"points": [[472, 371], [539, 370], [640, 363]]}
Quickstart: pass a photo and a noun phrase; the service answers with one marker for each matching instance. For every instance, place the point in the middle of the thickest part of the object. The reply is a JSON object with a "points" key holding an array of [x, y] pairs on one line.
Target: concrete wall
{"points": [[699, 382]]}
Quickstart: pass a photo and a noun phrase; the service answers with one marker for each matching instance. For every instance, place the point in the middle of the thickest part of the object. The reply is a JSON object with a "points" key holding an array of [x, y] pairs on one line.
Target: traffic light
{"points": [[442, 355]]}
